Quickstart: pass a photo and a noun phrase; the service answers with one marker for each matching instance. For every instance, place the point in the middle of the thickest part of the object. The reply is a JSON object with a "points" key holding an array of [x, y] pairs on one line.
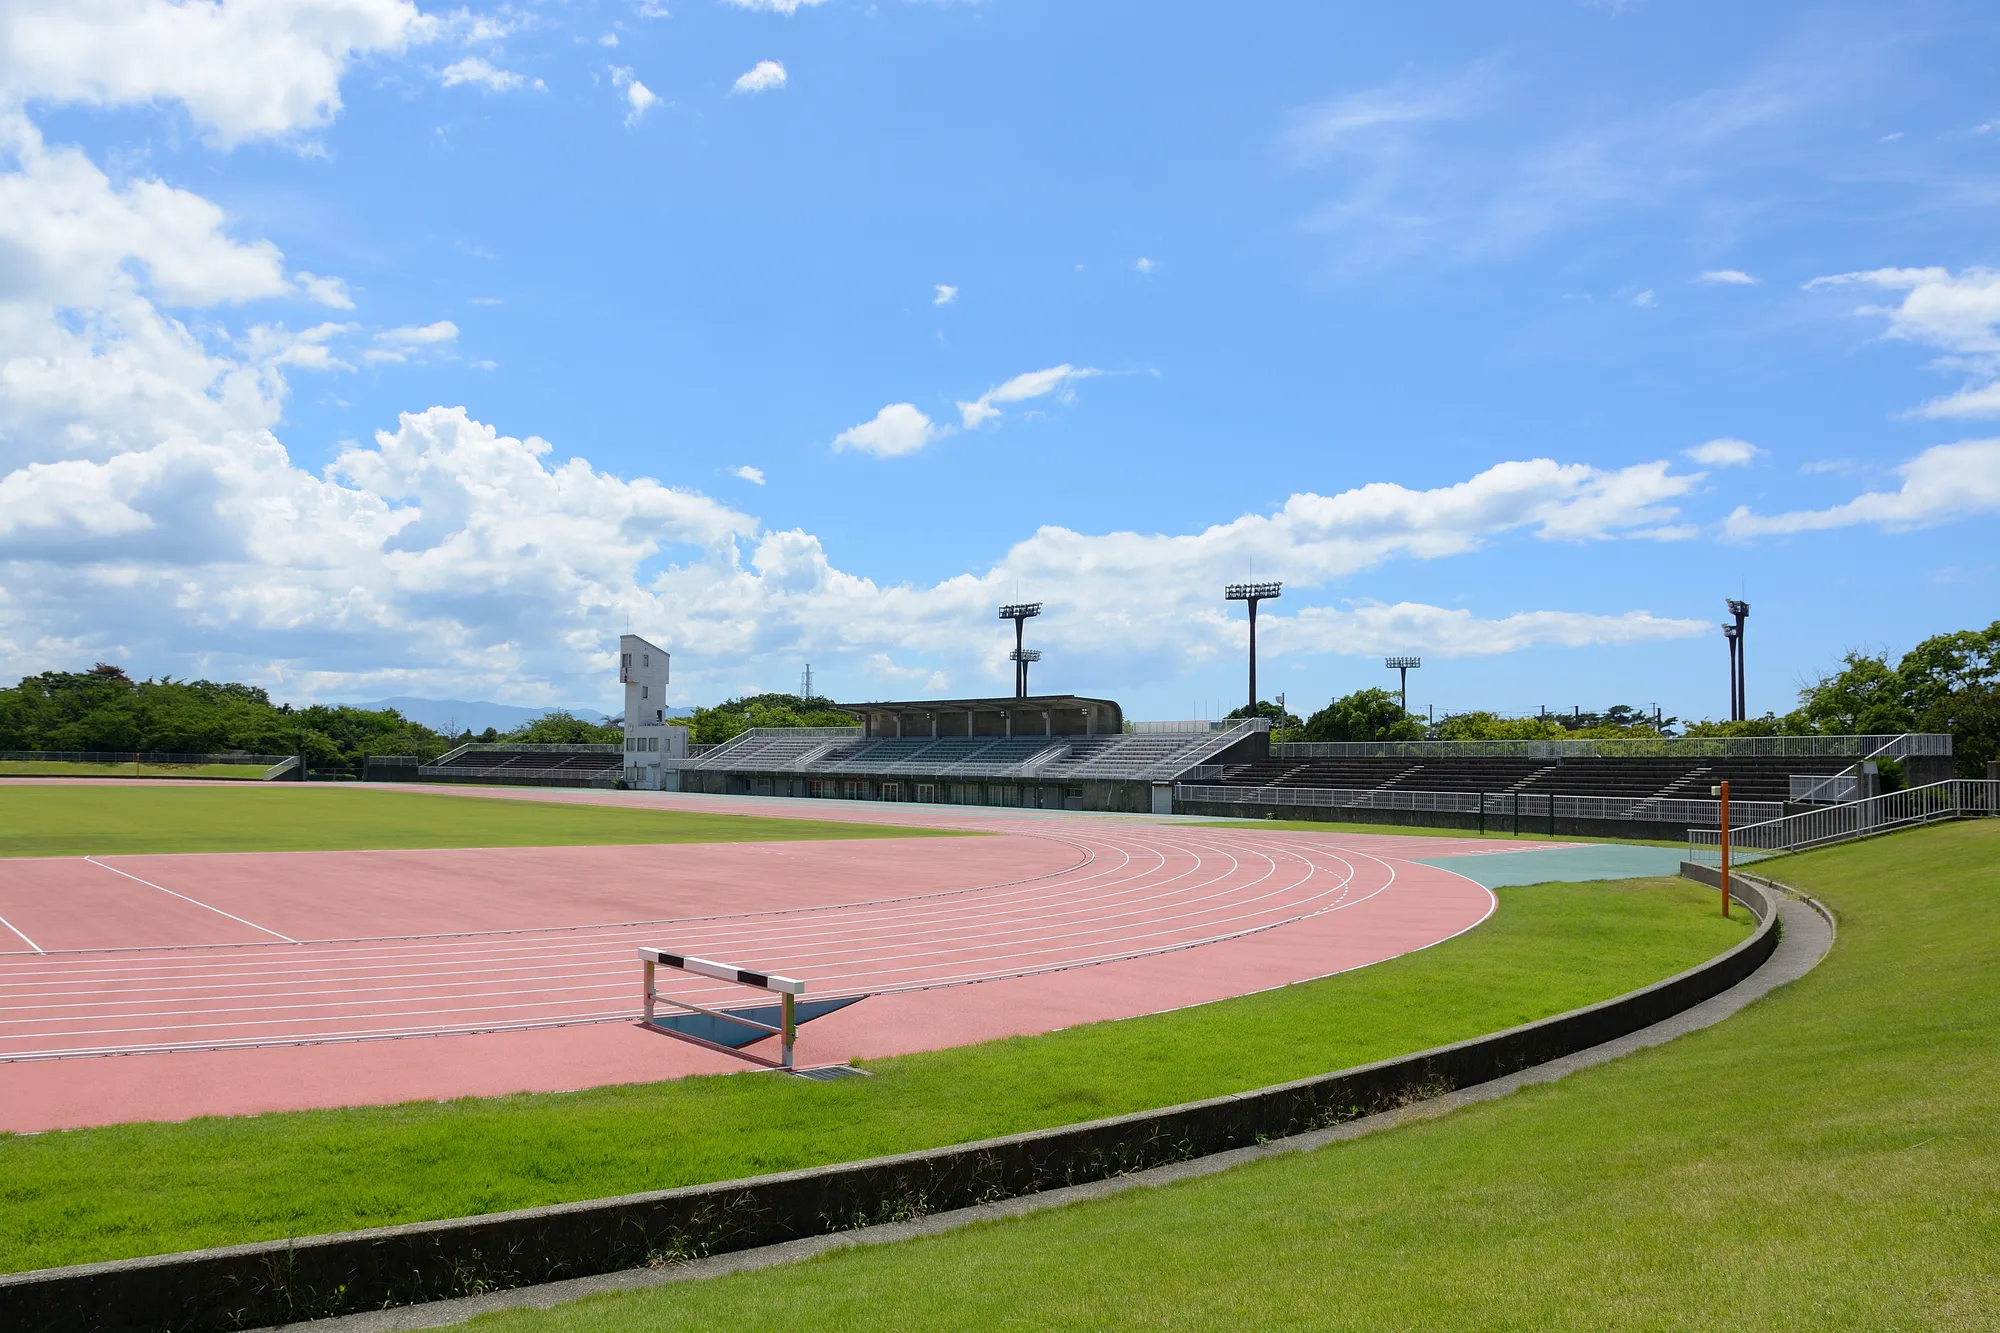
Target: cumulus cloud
{"points": [[242, 70], [897, 429], [753, 475], [1949, 481], [1144, 265], [776, 6], [1943, 483], [1956, 312], [638, 97], [1059, 380], [1729, 277], [762, 77], [1724, 453], [1981, 400], [326, 291], [472, 69], [1373, 628], [398, 344], [946, 294]]}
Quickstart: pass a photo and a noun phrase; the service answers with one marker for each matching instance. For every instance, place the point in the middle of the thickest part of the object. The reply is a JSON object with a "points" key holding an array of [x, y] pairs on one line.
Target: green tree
{"points": [[1365, 715], [561, 727], [712, 726]]}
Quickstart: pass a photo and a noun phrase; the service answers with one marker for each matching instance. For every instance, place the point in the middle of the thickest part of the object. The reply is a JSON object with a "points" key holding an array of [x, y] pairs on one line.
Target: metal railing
{"points": [[1910, 745], [1825, 788], [1499, 806], [1193, 727], [1957, 798]]}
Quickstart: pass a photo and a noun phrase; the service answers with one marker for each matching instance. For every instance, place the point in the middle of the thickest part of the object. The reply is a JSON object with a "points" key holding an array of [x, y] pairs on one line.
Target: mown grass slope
{"points": [[1827, 1159]]}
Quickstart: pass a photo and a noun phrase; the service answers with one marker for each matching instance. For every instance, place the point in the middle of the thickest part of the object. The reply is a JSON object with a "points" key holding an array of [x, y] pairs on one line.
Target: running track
{"points": [[247, 982]]}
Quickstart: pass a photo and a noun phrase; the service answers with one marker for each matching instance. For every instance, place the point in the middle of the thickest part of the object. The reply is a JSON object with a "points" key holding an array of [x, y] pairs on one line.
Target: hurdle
{"points": [[787, 989]]}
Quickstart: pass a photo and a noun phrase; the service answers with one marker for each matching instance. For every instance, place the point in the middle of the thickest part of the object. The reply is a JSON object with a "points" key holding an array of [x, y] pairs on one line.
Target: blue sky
{"points": [[359, 349]]}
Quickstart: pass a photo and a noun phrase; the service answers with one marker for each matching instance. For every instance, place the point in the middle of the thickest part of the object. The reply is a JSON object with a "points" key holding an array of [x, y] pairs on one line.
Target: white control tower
{"points": [[650, 744]]}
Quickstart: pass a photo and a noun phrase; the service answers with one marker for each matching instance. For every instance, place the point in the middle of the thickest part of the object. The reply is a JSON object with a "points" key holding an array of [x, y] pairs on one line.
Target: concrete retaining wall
{"points": [[248, 1286]]}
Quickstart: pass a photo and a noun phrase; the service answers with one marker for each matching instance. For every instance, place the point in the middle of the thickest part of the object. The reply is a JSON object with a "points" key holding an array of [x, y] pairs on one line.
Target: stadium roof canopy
{"points": [[1036, 715]]}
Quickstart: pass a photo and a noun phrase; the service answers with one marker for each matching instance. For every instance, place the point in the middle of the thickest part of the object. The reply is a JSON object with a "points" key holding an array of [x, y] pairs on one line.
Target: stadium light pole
{"points": [[1405, 665], [1023, 656], [1740, 610], [1730, 633], [1020, 613], [1253, 593]]}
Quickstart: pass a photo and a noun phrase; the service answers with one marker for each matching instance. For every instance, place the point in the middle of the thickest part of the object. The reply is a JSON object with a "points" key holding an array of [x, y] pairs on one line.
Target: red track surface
{"points": [[249, 982]]}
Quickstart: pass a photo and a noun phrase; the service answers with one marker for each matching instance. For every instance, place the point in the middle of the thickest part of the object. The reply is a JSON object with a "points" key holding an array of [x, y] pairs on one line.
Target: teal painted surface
{"points": [[1499, 870]]}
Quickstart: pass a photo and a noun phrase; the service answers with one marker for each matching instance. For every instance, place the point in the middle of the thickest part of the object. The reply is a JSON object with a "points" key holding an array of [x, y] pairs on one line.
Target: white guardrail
{"points": [[1955, 799], [1498, 806]]}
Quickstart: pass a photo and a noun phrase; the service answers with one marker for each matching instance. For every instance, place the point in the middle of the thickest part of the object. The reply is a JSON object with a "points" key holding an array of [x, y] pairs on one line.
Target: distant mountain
{"points": [[456, 715]]}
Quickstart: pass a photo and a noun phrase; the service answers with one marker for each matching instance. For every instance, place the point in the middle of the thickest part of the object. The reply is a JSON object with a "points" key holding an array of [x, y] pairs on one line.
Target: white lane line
{"points": [[184, 898], [23, 934]]}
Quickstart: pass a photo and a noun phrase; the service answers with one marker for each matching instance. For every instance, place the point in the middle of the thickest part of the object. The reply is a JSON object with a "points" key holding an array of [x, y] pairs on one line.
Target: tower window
{"points": [[643, 690]]}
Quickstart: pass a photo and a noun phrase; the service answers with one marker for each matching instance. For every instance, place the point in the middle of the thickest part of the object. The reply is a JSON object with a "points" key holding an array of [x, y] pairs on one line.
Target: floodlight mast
{"points": [[1020, 613], [1251, 594], [1405, 665], [1739, 704], [1023, 656]]}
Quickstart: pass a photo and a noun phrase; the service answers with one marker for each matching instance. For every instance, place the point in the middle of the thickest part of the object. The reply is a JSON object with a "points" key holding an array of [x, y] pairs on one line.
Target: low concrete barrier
{"points": [[249, 1286]]}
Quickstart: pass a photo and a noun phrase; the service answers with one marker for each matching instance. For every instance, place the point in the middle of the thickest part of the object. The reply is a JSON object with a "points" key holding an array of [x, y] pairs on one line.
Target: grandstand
{"points": [[1615, 787], [1055, 751], [529, 765]]}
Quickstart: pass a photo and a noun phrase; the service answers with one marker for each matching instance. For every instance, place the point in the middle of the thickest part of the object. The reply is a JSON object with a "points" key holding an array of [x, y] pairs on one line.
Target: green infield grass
{"points": [[1827, 1159], [57, 768], [150, 1188], [102, 820]]}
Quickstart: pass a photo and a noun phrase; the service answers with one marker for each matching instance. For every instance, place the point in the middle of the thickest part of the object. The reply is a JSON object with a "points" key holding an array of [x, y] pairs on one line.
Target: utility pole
{"points": [[1405, 665], [1253, 593], [1020, 613]]}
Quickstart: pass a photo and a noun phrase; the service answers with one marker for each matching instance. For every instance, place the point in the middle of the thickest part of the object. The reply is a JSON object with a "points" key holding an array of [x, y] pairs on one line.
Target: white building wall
{"points": [[649, 742]]}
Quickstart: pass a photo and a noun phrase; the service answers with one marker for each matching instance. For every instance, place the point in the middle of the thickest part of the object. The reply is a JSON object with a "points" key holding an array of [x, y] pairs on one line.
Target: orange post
{"points": [[1724, 789]]}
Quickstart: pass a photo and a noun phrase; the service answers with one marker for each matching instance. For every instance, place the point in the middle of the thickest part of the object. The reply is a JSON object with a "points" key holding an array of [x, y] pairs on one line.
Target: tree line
{"points": [[104, 710]]}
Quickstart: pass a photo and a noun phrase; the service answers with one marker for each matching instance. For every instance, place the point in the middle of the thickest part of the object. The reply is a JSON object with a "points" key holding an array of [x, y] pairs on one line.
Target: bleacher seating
{"points": [[558, 766], [1637, 779]]}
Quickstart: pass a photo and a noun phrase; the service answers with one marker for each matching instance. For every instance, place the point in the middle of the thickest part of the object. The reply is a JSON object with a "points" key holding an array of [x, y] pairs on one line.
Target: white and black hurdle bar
{"points": [[788, 989]]}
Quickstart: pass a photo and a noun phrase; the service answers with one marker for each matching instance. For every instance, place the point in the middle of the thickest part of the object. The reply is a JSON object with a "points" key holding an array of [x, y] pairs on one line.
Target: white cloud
{"points": [[776, 6], [1729, 277], [243, 70], [1144, 265], [1969, 402], [396, 345], [753, 475], [1374, 628], [326, 291], [762, 77], [1644, 298], [897, 429], [1956, 312], [1948, 481], [946, 294], [474, 70], [608, 39], [420, 335], [1724, 453], [1059, 380], [638, 96]]}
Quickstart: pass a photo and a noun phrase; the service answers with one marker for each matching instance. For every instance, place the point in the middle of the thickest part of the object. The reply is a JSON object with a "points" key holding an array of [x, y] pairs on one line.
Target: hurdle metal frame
{"points": [[787, 989]]}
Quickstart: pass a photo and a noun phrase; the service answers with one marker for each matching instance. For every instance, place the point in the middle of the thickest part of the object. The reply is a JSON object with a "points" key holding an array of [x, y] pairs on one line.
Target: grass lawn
{"points": [[52, 820], [144, 1189], [1827, 1159], [39, 768]]}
